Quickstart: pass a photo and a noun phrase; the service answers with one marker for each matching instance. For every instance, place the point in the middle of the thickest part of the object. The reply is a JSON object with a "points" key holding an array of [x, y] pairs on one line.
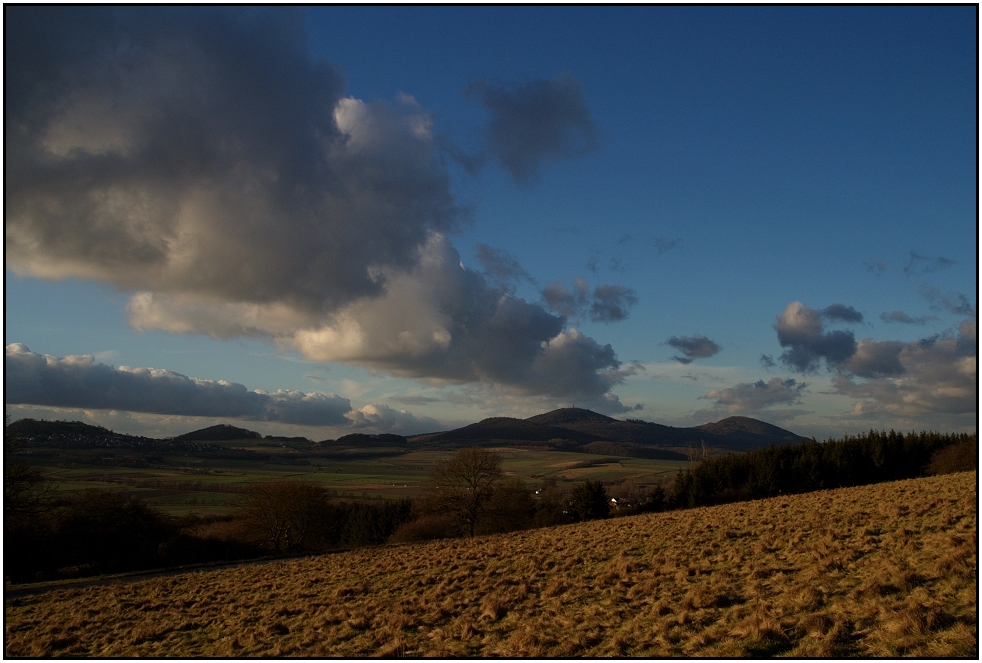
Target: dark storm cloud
{"points": [[953, 302], [800, 330], [842, 313], [903, 318], [201, 160], [501, 268], [693, 347], [538, 121], [81, 382]]}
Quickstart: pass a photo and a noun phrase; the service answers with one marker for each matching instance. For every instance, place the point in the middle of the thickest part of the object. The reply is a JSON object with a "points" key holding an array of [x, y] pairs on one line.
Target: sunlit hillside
{"points": [[881, 570]]}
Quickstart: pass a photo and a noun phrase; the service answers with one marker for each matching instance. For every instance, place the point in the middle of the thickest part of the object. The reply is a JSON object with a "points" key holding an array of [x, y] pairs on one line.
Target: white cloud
{"points": [[384, 418]]}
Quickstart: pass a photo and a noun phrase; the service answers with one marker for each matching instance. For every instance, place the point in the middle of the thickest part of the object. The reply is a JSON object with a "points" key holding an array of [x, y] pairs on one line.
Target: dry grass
{"points": [[886, 570]]}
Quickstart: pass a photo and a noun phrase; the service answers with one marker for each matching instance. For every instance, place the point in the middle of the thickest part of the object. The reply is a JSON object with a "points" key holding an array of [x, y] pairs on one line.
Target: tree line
{"points": [[873, 457], [48, 535]]}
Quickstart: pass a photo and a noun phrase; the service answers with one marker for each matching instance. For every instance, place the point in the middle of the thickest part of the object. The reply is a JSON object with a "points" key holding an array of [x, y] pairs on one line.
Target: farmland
{"points": [[881, 570], [197, 483]]}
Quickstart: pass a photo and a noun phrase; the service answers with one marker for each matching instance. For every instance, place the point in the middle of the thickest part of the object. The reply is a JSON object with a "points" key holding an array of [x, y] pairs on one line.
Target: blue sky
{"points": [[407, 219]]}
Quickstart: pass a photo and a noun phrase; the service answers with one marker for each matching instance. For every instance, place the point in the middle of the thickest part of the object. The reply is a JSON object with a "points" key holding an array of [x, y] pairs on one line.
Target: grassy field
{"points": [[883, 570], [207, 486]]}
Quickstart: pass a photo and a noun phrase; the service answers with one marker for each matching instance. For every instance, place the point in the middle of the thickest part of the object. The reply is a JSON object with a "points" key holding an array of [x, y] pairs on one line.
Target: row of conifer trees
{"points": [[799, 468]]}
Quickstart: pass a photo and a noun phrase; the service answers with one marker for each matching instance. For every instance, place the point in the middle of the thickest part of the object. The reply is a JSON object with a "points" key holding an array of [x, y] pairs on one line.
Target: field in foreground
{"points": [[882, 570]]}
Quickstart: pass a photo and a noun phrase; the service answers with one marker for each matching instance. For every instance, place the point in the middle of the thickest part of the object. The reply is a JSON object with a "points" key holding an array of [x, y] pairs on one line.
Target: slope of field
{"points": [[883, 570]]}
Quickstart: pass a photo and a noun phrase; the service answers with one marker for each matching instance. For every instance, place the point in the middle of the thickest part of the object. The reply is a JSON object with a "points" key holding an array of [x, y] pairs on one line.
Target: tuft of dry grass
{"points": [[885, 570]]}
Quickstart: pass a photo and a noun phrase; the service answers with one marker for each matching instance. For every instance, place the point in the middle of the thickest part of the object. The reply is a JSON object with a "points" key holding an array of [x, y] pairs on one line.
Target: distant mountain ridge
{"points": [[576, 428]]}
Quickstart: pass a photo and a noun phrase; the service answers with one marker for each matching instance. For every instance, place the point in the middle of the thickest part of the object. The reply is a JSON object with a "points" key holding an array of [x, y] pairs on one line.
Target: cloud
{"points": [[903, 318], [381, 417], [612, 303], [567, 303], [609, 303], [800, 330], [842, 313], [200, 159], [415, 400], [539, 121], [874, 359], [78, 381], [203, 152], [767, 361], [919, 263], [953, 302], [501, 268], [693, 347], [663, 244], [749, 398], [939, 377], [877, 267]]}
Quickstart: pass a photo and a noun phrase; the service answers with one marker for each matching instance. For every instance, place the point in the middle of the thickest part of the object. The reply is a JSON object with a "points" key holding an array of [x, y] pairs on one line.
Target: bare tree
{"points": [[287, 513], [463, 485]]}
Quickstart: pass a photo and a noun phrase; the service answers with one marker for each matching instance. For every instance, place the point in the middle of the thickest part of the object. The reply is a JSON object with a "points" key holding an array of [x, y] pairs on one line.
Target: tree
{"points": [[26, 492], [511, 507], [288, 514], [589, 501], [463, 485]]}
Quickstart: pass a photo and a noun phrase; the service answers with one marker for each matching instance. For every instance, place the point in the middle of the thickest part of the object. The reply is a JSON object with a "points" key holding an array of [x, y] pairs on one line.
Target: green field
{"points": [[183, 484]]}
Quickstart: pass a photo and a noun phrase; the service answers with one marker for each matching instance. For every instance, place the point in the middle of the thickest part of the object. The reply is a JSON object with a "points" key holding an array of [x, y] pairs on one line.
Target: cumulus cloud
{"points": [[609, 303], [377, 416], [538, 121], [693, 347], [939, 377], [202, 152], [874, 359], [800, 329], [79, 381], [202, 160], [903, 318], [753, 397]]}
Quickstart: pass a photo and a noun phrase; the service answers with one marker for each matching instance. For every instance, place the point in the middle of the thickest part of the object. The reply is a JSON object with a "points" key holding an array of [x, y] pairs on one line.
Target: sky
{"points": [[331, 220]]}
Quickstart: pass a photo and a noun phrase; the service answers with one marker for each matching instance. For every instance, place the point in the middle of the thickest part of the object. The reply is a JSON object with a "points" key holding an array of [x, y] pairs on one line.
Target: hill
{"points": [[33, 428], [886, 570], [217, 434], [506, 429], [584, 430]]}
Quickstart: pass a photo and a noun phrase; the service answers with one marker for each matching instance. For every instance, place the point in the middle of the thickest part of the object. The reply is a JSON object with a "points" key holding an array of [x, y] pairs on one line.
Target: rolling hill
{"points": [[585, 430], [887, 570]]}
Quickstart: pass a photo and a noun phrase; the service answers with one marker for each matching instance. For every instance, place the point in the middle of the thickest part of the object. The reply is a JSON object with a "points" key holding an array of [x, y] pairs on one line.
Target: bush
{"points": [[426, 528], [961, 457]]}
